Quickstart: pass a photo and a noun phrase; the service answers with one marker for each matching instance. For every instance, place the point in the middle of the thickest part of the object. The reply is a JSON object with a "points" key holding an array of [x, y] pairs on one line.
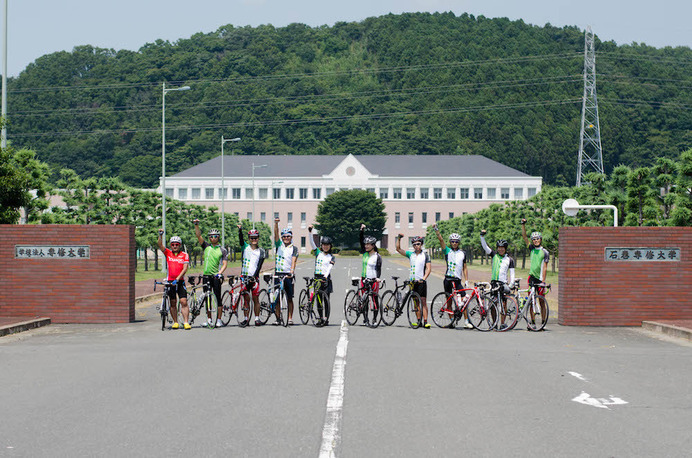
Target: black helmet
{"points": [[326, 240], [418, 239], [503, 243], [370, 239]]}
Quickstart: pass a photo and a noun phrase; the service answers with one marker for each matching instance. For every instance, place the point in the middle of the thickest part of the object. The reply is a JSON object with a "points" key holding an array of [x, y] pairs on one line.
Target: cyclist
{"points": [[285, 266], [324, 261], [539, 263], [177, 261], [502, 269], [252, 259], [215, 263], [372, 266], [420, 270], [456, 267]]}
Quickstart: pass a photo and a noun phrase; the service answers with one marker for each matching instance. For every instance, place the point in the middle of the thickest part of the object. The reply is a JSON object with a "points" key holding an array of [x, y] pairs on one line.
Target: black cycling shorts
{"points": [[288, 284], [421, 287], [453, 283], [215, 285], [179, 289]]}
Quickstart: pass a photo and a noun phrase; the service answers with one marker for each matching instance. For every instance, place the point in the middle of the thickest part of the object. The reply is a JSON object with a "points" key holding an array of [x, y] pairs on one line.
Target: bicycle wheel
{"points": [[480, 314], [211, 306], [226, 307], [414, 310], [388, 307], [539, 306], [304, 307], [318, 308], [243, 308], [442, 310], [351, 308], [373, 312], [265, 307], [165, 307], [520, 311], [509, 313], [283, 300]]}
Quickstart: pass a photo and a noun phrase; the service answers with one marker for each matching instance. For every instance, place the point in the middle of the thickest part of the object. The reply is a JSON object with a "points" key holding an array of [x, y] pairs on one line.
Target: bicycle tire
{"points": [[520, 311], [388, 307], [511, 314], [265, 307], [534, 324], [480, 316], [414, 306], [319, 300], [303, 307], [226, 307], [351, 311], [243, 309], [284, 308], [441, 310], [372, 309], [165, 307], [212, 308]]}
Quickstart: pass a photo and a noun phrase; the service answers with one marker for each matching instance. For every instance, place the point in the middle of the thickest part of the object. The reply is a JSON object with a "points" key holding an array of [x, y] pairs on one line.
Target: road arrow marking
{"points": [[602, 403], [577, 375]]}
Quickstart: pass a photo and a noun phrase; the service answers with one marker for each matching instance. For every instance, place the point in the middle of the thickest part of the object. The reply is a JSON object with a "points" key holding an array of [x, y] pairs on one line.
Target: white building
{"points": [[416, 190]]}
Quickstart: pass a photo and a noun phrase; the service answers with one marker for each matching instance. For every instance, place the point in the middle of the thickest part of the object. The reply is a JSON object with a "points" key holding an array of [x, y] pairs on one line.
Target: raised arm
{"points": [[198, 233], [398, 245], [485, 246], [362, 238], [241, 239], [160, 241], [523, 232], [312, 239], [439, 237], [276, 230]]}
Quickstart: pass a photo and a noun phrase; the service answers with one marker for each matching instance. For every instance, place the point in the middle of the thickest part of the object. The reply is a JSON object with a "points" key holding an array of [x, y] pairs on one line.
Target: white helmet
{"points": [[176, 239], [454, 237]]}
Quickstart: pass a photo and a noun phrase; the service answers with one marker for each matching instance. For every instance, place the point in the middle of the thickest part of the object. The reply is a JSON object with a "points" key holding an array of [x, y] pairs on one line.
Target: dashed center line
{"points": [[331, 436]]}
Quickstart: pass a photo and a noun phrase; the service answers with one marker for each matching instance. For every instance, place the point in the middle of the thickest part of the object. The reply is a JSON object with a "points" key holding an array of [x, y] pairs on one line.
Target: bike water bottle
{"points": [[398, 296], [311, 294], [459, 300]]}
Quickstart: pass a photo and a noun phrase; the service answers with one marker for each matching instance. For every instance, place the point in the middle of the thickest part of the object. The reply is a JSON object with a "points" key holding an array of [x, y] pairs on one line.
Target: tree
{"points": [[340, 215], [14, 188], [37, 173], [682, 211]]}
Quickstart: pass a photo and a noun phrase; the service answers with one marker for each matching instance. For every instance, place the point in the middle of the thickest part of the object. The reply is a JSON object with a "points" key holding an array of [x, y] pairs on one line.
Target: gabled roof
{"points": [[382, 165]]}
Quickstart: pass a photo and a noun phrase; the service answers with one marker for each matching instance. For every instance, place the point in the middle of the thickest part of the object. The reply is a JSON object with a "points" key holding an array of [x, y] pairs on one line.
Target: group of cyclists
{"points": [[456, 278]]}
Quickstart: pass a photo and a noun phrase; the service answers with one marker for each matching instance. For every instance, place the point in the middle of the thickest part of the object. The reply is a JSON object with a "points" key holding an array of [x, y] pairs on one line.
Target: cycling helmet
{"points": [[176, 239], [286, 231], [418, 239], [503, 243], [253, 233], [214, 232], [370, 239], [536, 235], [455, 237], [326, 240]]}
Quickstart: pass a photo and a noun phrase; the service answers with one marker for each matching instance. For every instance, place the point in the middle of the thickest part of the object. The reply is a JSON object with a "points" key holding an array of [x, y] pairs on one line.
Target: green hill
{"points": [[414, 83]]}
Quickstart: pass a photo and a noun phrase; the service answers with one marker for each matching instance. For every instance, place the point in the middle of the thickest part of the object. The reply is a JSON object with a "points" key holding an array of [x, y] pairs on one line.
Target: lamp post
{"points": [[223, 191], [253, 190], [163, 156], [570, 207]]}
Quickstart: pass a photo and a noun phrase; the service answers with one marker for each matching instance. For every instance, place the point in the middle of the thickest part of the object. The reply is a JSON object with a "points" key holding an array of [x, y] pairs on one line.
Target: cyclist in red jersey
{"points": [[177, 261]]}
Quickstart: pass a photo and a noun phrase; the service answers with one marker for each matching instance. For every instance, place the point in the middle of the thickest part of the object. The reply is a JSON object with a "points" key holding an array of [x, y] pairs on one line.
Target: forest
{"points": [[414, 83]]}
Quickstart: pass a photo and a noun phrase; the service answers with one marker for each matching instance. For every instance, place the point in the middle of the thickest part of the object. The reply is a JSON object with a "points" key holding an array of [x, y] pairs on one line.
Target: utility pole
{"points": [[590, 152]]}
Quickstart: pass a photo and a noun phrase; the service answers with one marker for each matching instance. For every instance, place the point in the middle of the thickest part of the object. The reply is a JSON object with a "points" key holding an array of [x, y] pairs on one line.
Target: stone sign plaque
{"points": [[52, 251], [642, 254]]}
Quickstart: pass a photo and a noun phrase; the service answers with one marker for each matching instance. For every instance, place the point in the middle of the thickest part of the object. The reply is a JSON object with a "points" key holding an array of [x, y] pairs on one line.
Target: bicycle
{"points": [[362, 301], [165, 307], [530, 307], [235, 300], [277, 294], [505, 305], [205, 299], [313, 302], [393, 304], [447, 310]]}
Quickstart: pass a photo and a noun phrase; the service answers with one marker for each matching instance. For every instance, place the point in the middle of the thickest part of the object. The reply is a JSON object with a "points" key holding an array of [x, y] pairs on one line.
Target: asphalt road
{"points": [[133, 390]]}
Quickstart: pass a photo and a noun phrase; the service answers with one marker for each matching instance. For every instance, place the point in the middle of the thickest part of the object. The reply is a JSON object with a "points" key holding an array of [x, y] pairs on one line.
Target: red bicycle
{"points": [[447, 310], [237, 302]]}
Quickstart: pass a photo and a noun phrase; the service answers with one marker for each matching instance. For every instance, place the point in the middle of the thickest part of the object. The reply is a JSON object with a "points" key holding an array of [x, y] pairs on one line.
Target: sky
{"points": [[38, 27]]}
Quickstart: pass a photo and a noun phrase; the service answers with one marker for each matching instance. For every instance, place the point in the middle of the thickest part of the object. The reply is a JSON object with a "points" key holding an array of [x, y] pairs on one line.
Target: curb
{"points": [[668, 329], [23, 326]]}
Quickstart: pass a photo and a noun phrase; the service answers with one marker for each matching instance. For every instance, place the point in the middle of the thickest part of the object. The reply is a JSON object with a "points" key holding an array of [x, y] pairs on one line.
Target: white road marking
{"points": [[578, 375], [602, 403], [330, 433]]}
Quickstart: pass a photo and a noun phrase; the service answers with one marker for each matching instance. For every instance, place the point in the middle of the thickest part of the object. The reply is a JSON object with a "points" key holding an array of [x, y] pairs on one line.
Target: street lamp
{"points": [[571, 207], [253, 190], [163, 156], [223, 191]]}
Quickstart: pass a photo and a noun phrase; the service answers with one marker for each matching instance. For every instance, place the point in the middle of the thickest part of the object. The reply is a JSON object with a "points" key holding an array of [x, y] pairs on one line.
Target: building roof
{"points": [[382, 165]]}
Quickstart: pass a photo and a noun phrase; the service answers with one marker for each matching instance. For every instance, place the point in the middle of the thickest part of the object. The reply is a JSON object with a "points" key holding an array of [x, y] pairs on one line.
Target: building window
{"points": [[235, 193], [223, 192], [262, 193], [303, 193], [236, 214], [249, 216], [396, 193], [263, 216], [463, 193], [328, 192], [491, 193], [410, 219], [302, 242], [531, 193], [451, 215], [410, 193], [504, 193], [289, 218], [451, 193], [196, 193], [276, 215], [518, 193], [478, 193], [289, 193], [384, 193], [397, 218], [249, 192], [169, 192], [437, 193], [182, 193], [303, 219], [437, 217], [424, 192], [209, 193], [316, 193], [372, 190], [276, 192], [424, 217]]}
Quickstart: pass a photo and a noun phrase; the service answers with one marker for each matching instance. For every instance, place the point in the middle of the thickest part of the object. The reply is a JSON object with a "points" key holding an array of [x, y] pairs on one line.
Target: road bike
{"points": [[313, 302], [393, 302], [362, 301], [237, 301], [447, 310], [202, 297], [278, 302], [533, 308], [164, 308], [503, 304]]}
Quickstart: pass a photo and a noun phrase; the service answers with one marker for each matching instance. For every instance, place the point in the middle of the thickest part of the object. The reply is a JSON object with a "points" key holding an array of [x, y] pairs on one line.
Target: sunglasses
{"points": [[213, 236], [417, 244], [175, 244], [254, 238], [454, 241]]}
